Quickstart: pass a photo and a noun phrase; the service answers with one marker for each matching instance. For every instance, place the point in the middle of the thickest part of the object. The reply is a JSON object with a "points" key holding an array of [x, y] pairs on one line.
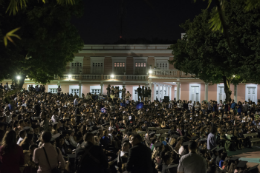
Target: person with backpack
{"points": [[48, 157], [90, 158]]}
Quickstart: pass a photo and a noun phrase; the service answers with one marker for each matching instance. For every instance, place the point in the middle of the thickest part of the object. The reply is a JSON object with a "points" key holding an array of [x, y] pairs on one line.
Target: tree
{"points": [[48, 40], [15, 5], [207, 55], [218, 19]]}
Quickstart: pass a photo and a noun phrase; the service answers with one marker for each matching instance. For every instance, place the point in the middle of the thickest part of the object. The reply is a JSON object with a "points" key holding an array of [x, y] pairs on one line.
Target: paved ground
{"points": [[251, 155]]}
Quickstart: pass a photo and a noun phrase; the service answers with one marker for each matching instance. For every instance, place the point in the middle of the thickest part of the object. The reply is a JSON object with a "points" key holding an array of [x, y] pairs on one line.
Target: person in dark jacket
{"points": [[139, 160], [90, 158]]}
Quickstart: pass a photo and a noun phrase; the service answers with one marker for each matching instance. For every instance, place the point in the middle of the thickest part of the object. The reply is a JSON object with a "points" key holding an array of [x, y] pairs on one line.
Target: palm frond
{"points": [[14, 5], [215, 22], [9, 35], [252, 4]]}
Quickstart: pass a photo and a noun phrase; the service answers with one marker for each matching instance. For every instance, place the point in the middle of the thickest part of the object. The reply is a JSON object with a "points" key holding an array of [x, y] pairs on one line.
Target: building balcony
{"points": [[174, 73], [97, 77]]}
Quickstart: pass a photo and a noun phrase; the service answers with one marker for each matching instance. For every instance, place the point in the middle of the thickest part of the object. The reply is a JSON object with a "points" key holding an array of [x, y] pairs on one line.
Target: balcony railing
{"points": [[169, 73], [104, 77], [156, 73]]}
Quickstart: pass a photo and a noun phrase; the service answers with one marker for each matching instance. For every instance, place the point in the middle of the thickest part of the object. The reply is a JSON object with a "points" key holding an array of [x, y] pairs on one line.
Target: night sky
{"points": [[142, 19]]}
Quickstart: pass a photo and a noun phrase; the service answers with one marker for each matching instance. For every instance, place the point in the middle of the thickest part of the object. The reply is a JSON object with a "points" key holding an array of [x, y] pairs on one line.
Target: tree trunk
{"points": [[227, 90], [19, 83]]}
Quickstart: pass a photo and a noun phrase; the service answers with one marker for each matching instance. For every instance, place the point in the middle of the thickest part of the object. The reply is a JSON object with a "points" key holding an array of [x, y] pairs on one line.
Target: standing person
{"points": [[139, 160], [11, 155], [44, 122], [245, 107], [211, 141], [47, 156], [90, 158], [192, 162], [75, 102], [233, 106], [209, 107], [58, 90]]}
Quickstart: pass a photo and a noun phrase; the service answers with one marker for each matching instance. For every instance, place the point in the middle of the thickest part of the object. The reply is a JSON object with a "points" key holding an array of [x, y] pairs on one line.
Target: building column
{"points": [[167, 90], [235, 93], [178, 91], [160, 93], [206, 92], [80, 89], [154, 91], [150, 84], [170, 93], [163, 88], [102, 85]]}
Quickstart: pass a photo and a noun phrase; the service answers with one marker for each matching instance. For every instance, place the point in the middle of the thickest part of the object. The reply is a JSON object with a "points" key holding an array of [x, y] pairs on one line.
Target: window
{"points": [[73, 91], [251, 92], [53, 90], [119, 67], [97, 91], [194, 92], [76, 65], [97, 65], [162, 65], [97, 68], [140, 68]]}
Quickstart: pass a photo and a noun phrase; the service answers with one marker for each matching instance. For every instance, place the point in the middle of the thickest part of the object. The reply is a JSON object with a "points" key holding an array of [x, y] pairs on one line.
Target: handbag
{"points": [[54, 170]]}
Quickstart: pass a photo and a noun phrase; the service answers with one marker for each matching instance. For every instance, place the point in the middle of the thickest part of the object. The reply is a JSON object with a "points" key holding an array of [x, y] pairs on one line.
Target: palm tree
{"points": [[218, 21], [16, 5]]}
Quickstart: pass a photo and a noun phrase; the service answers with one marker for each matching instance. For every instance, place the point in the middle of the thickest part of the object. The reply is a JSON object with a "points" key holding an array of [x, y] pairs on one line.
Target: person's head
{"points": [[22, 133], [67, 136], [46, 137], [125, 146], [136, 139], [9, 141], [89, 137], [192, 146], [213, 129]]}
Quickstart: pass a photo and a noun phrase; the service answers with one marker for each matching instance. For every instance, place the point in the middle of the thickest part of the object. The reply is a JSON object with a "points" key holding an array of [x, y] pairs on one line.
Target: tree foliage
{"points": [[48, 40], [16, 5], [207, 54]]}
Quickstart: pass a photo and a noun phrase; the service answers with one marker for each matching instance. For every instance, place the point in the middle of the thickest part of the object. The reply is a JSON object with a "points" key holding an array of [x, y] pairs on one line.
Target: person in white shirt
{"points": [[75, 102], [190, 106], [22, 135]]}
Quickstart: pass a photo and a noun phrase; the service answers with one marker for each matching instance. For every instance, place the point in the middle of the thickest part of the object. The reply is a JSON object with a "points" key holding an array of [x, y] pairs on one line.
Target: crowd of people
{"points": [[45, 133]]}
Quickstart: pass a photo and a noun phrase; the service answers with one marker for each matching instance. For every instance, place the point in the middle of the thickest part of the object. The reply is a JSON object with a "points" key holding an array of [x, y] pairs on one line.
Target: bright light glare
{"points": [[112, 76], [69, 76], [150, 71], [18, 77]]}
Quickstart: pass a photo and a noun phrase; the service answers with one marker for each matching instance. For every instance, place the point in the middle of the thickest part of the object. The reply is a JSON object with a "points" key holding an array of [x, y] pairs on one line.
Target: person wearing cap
{"points": [[192, 162], [139, 160]]}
